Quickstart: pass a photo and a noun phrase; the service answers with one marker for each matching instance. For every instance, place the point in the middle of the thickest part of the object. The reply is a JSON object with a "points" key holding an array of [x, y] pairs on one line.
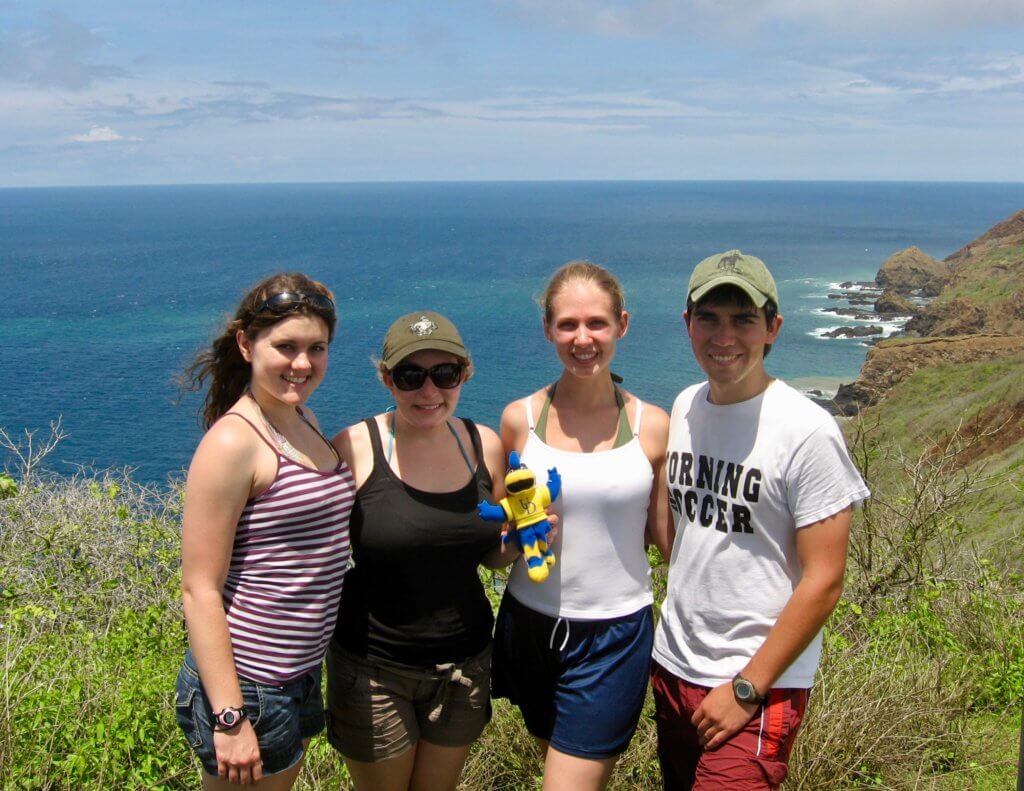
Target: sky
{"points": [[118, 92]]}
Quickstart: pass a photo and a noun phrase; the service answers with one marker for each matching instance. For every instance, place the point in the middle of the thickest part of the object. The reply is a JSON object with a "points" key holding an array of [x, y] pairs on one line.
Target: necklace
{"points": [[280, 440]]}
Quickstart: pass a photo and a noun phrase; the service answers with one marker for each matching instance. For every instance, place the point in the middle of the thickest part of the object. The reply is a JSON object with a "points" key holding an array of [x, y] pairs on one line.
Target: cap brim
{"points": [[756, 296], [418, 346]]}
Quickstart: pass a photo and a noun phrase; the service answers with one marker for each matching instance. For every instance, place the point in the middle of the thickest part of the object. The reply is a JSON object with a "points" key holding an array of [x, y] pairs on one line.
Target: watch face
{"points": [[228, 718], [745, 690]]}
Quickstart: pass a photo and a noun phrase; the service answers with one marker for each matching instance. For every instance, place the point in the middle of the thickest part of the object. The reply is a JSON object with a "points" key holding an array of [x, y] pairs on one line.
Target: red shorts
{"points": [[755, 759]]}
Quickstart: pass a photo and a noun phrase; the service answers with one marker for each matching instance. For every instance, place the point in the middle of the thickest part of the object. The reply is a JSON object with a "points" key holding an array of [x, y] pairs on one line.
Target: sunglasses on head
{"points": [[408, 376], [291, 301]]}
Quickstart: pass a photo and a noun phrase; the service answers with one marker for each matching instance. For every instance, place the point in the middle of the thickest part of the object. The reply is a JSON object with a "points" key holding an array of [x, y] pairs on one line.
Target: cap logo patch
{"points": [[423, 327], [730, 262]]}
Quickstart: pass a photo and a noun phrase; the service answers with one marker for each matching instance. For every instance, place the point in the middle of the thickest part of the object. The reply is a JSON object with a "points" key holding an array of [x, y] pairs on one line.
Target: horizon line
{"points": [[504, 181]]}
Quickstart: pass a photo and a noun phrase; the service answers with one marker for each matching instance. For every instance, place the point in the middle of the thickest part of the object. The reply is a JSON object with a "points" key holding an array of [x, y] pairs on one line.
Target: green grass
{"points": [[930, 404], [917, 675], [995, 276]]}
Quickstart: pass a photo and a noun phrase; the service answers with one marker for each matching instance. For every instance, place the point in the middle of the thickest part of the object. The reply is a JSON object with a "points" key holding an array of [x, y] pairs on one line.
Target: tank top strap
{"points": [[481, 472], [252, 425], [528, 404], [319, 433], [474, 438], [462, 450], [639, 416], [375, 442]]}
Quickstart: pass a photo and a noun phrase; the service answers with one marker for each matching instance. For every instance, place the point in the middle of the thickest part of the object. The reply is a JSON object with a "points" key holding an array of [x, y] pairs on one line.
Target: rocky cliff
{"points": [[913, 272], [892, 361], [985, 292], [978, 313]]}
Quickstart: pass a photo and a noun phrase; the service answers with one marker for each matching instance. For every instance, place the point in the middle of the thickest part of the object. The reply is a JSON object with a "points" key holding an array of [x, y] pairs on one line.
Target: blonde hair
{"points": [[586, 272]]}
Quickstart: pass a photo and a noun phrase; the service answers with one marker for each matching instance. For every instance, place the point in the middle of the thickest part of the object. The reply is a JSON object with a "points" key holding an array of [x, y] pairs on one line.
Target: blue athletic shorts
{"points": [[281, 716], [579, 684]]}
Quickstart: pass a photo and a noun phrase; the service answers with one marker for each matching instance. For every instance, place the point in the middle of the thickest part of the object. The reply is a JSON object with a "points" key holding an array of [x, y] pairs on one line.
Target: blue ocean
{"points": [[109, 292]]}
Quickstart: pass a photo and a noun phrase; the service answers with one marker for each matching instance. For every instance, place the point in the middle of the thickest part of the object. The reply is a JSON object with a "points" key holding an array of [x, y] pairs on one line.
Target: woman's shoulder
{"points": [[488, 436], [354, 441], [653, 426], [515, 411], [228, 450], [232, 434]]}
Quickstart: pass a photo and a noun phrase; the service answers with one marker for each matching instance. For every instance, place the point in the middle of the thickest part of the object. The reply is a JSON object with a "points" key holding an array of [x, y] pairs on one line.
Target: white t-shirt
{"points": [[742, 479], [602, 569]]}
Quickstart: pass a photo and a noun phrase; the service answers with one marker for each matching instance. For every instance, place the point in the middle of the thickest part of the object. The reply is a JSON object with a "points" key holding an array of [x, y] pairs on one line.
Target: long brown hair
{"points": [[223, 363]]}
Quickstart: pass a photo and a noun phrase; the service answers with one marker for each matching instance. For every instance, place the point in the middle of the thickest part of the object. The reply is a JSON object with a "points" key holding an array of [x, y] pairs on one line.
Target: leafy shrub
{"points": [[928, 638]]}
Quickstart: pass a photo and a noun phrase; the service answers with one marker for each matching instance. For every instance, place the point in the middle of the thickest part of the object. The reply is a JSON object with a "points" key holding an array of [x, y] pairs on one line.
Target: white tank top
{"points": [[602, 569]]}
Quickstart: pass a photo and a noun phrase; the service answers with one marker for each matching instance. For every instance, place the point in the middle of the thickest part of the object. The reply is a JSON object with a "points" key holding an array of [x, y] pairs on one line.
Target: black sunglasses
{"points": [[407, 376], [291, 301]]}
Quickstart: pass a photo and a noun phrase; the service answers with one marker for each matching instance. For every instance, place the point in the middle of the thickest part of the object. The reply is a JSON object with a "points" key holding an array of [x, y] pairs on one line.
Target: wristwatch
{"points": [[745, 692], [228, 717]]}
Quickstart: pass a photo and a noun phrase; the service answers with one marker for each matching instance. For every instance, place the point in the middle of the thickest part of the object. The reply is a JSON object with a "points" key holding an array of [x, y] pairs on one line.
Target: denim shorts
{"points": [[580, 685], [281, 716]]}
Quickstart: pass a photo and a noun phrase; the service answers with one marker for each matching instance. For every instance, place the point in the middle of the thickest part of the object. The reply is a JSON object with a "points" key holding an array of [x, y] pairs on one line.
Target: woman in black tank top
{"points": [[409, 664]]}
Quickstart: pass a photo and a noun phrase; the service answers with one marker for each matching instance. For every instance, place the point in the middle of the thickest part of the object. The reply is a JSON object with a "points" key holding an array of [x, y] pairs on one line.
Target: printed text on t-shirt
{"points": [[697, 485]]}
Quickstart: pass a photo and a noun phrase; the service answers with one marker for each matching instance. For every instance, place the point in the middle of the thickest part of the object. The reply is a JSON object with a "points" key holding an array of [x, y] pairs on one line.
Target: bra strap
{"points": [[542, 420], [625, 433], [462, 450]]}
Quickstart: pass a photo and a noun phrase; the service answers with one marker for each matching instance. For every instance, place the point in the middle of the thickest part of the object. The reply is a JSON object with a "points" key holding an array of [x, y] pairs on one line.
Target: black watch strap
{"points": [[228, 718]]}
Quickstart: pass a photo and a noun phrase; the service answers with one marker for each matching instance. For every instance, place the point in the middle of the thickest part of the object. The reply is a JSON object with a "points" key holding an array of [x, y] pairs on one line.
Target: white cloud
{"points": [[732, 18], [102, 134], [59, 54]]}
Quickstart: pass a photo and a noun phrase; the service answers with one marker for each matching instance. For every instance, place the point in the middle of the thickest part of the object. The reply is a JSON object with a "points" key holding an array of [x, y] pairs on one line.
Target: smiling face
{"points": [[584, 328], [429, 406], [288, 359], [728, 342]]}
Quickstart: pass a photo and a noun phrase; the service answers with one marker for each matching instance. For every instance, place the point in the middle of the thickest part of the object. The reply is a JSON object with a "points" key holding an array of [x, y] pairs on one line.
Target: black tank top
{"points": [[414, 596]]}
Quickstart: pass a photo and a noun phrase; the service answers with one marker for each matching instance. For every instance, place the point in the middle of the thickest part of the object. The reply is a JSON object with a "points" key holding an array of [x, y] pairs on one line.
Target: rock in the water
{"points": [[854, 332], [853, 312], [913, 270], [892, 304]]}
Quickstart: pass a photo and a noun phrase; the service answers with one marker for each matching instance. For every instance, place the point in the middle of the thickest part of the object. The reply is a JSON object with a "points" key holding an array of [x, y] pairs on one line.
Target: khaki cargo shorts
{"points": [[377, 711]]}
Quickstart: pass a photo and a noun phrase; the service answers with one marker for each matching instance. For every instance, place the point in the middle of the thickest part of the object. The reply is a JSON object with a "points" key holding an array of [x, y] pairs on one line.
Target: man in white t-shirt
{"points": [[762, 488]]}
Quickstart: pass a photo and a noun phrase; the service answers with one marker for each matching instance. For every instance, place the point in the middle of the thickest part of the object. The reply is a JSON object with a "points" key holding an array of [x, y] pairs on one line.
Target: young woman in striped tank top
{"points": [[264, 540], [573, 653]]}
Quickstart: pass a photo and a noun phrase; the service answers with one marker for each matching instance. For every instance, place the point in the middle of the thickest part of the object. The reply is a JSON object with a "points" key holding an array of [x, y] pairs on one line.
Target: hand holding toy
{"points": [[524, 505]]}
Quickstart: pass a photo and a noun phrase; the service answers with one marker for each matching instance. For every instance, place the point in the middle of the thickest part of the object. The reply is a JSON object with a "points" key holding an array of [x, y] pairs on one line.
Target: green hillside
{"points": [[978, 406]]}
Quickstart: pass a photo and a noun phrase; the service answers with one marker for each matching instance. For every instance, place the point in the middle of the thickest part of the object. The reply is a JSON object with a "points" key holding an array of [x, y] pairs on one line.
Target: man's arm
{"points": [[821, 548]]}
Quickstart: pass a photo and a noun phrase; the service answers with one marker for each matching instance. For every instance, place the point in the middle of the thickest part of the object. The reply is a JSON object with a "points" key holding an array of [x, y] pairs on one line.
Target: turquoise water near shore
{"points": [[109, 291]]}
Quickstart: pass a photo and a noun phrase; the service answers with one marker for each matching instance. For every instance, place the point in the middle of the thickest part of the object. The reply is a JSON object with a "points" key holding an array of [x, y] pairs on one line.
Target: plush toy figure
{"points": [[525, 506]]}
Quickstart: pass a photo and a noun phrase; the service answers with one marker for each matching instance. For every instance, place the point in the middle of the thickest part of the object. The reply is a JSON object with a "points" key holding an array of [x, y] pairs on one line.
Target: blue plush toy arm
{"points": [[491, 513], [554, 483]]}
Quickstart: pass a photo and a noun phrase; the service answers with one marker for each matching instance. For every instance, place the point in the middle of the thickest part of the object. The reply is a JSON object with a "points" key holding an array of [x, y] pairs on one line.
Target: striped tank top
{"points": [[288, 562]]}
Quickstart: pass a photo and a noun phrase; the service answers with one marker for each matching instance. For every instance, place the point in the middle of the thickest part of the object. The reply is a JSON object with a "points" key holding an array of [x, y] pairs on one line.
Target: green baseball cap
{"points": [[746, 272], [419, 330]]}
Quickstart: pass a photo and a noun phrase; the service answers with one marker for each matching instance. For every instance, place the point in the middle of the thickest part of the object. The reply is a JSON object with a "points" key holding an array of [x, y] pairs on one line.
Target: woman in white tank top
{"points": [[573, 652]]}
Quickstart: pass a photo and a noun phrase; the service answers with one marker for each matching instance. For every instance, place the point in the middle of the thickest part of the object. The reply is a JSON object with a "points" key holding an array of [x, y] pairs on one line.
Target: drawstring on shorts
{"points": [[554, 631], [450, 674]]}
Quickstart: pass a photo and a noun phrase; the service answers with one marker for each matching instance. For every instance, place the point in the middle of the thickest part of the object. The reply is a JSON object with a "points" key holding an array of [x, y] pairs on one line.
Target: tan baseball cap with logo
{"points": [[732, 267], [419, 330]]}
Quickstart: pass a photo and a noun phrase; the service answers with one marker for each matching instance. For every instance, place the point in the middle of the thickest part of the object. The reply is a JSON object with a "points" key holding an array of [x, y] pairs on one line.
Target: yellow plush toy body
{"points": [[524, 505]]}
